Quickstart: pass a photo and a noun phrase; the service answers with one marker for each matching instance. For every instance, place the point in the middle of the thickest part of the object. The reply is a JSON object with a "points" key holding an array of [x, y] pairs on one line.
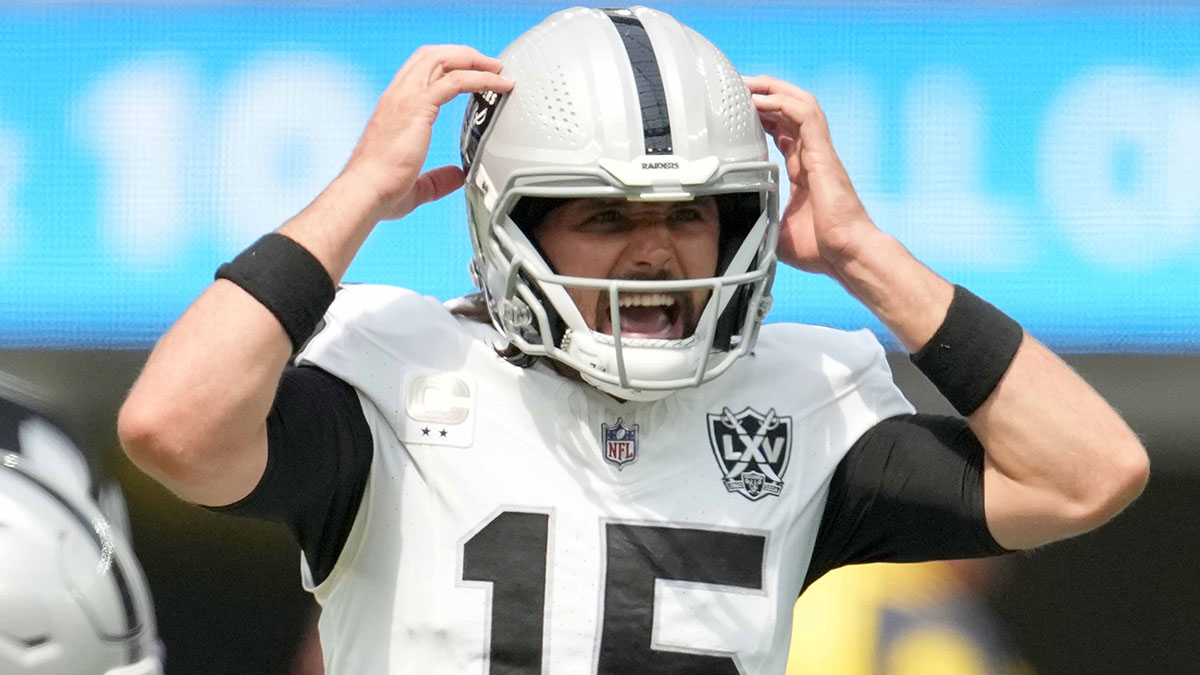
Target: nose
{"points": [[652, 247]]}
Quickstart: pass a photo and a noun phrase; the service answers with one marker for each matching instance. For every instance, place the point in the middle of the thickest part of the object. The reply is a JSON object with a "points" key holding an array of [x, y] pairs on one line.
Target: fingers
{"points": [[452, 57], [784, 108], [436, 183], [395, 144], [765, 84], [775, 123], [794, 119], [429, 65], [432, 58], [464, 81], [429, 186], [434, 75]]}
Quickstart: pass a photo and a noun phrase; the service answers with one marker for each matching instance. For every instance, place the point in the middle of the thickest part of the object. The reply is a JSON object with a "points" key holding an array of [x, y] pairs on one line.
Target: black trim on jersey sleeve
{"points": [[910, 489], [319, 451]]}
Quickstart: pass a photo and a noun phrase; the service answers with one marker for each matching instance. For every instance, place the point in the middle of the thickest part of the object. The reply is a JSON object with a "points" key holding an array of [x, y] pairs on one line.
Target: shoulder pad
{"points": [[370, 325]]}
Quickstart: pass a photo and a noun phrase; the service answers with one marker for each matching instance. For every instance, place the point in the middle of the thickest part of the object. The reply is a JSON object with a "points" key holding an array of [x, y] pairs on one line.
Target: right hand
{"points": [[824, 222], [392, 150]]}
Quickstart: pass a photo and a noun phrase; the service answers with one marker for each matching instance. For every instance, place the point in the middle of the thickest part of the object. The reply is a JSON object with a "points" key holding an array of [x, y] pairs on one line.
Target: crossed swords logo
{"points": [[766, 449]]}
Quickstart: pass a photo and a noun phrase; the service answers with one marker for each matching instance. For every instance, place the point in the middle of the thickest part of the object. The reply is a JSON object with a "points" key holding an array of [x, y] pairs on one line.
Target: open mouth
{"points": [[647, 315]]}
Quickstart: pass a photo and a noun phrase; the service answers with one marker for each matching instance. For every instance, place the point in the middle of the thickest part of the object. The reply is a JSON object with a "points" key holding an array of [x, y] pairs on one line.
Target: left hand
{"points": [[824, 220]]}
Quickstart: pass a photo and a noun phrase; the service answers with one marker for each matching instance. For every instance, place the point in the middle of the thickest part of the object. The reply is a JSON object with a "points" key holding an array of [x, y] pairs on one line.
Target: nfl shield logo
{"points": [[752, 450], [620, 443]]}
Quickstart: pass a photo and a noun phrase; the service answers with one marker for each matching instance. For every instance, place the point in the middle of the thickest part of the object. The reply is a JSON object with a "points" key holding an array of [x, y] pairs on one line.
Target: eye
{"points": [[606, 220], [687, 213], [692, 218], [605, 216]]}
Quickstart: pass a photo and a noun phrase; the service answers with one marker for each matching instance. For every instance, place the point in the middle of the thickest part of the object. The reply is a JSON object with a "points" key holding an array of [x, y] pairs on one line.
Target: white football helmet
{"points": [[628, 103], [73, 600], [28, 428]]}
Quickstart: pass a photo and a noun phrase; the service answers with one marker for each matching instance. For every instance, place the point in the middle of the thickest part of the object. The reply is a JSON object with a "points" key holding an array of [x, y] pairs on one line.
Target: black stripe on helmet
{"points": [[656, 123], [133, 626], [11, 416]]}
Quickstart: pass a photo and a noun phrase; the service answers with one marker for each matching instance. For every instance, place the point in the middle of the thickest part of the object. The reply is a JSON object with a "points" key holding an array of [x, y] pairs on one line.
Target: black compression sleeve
{"points": [[910, 489], [319, 451]]}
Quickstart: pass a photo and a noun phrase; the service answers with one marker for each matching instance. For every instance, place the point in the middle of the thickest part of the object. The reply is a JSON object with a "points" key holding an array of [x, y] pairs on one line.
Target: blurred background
{"points": [[1046, 155]]}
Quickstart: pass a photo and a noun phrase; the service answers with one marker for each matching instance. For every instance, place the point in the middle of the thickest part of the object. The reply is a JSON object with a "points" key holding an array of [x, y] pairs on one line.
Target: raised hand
{"points": [[824, 219], [392, 150], [383, 179]]}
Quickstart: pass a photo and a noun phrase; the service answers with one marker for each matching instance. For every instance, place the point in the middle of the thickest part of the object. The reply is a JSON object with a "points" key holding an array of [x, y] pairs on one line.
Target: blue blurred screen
{"points": [[1046, 157]]}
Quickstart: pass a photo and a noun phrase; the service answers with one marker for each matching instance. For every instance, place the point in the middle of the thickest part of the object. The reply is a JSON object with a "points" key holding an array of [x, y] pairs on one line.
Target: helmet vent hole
{"points": [[549, 112], [729, 97]]}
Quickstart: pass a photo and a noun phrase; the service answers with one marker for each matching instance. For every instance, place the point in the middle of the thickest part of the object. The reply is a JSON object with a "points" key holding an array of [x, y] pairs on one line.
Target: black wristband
{"points": [[970, 351], [287, 279]]}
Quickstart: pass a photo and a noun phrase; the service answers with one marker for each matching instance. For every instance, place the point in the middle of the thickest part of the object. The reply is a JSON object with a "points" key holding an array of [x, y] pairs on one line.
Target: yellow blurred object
{"points": [[915, 619], [935, 652]]}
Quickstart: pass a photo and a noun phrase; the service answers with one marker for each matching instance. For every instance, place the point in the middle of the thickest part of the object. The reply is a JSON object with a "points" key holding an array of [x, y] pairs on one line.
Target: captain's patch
{"points": [[439, 408]]}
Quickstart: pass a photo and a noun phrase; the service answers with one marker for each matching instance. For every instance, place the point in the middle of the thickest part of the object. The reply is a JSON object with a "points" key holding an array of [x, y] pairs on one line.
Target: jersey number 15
{"points": [[510, 552]]}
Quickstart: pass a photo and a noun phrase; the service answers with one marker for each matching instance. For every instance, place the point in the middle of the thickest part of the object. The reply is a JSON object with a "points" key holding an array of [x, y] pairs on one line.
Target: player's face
{"points": [[613, 238]]}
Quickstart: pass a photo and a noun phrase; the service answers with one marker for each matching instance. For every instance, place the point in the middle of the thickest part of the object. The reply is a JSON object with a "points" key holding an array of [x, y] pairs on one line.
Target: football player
{"points": [[618, 469], [72, 597]]}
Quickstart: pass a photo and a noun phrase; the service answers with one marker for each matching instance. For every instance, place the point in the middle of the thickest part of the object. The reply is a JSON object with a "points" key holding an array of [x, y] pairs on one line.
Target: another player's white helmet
{"points": [[72, 597], [628, 103], [28, 427]]}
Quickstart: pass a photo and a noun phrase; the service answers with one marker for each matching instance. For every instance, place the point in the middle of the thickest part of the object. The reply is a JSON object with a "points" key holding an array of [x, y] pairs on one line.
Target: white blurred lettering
{"points": [[940, 210], [945, 216], [1119, 165], [136, 118], [287, 127]]}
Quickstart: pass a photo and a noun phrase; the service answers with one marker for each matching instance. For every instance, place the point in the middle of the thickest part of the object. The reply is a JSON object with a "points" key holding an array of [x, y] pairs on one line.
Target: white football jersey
{"points": [[518, 521]]}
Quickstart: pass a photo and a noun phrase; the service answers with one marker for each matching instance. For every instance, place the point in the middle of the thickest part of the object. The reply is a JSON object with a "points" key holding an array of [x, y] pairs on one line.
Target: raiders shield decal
{"points": [[752, 450]]}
